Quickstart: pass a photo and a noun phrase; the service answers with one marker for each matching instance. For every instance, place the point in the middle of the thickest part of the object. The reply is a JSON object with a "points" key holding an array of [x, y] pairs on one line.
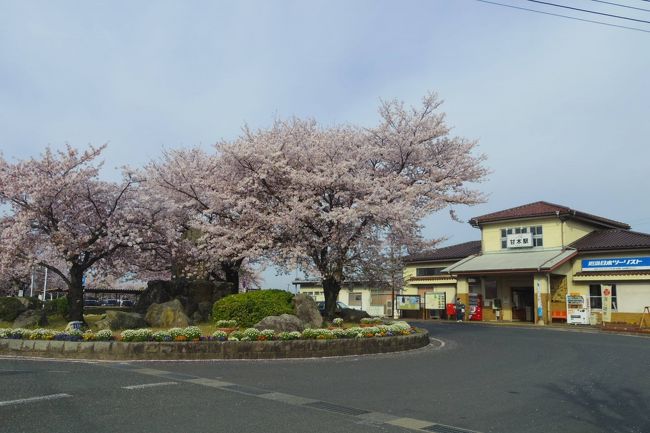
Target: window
{"points": [[596, 297], [427, 272], [355, 300], [536, 231]]}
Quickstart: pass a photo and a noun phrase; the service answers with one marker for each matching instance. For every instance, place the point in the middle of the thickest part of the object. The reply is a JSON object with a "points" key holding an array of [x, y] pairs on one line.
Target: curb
{"points": [[587, 329], [120, 351]]}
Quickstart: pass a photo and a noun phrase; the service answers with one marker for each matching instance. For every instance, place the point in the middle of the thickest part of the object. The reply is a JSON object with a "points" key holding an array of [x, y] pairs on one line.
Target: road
{"points": [[472, 377]]}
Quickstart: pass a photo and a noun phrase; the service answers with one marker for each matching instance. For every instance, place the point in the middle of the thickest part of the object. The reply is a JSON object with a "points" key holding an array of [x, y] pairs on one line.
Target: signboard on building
{"points": [[435, 301], [616, 264], [406, 302], [519, 240], [607, 302]]}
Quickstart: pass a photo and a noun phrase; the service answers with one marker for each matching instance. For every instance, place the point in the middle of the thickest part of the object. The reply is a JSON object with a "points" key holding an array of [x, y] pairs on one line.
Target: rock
{"points": [[25, 301], [27, 319], [352, 315], [283, 323], [167, 315], [124, 320], [307, 311], [78, 325], [191, 293], [119, 320]]}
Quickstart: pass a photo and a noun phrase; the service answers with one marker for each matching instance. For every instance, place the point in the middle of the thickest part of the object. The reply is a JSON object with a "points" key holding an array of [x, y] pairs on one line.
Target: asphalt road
{"points": [[472, 377]]}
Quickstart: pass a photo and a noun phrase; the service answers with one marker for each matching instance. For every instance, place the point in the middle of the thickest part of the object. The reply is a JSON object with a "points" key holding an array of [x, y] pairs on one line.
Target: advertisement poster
{"points": [[607, 302], [404, 302]]}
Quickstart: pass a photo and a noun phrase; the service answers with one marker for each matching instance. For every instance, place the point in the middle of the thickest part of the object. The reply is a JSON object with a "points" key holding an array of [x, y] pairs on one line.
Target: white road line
{"points": [[33, 399], [149, 385]]}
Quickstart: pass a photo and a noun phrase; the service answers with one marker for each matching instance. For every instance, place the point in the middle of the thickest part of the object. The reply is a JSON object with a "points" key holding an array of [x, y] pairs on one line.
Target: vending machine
{"points": [[577, 309], [475, 307]]}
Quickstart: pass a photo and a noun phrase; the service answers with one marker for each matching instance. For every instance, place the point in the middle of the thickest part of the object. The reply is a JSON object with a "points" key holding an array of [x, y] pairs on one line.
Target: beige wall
{"points": [[551, 227]]}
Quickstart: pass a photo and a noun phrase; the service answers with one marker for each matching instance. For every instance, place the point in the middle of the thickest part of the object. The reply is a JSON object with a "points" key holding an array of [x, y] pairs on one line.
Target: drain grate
{"points": [[336, 408], [439, 428], [246, 389]]}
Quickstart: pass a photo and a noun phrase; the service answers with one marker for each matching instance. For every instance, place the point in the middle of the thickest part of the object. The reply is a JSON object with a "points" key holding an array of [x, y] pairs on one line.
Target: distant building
{"points": [[356, 295], [538, 263]]}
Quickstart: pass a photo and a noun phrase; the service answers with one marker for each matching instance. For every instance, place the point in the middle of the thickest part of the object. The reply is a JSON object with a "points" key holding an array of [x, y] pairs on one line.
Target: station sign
{"points": [[616, 264], [519, 240]]}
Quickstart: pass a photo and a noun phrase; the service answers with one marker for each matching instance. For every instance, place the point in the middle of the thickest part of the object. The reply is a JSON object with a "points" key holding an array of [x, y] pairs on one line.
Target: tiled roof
{"points": [[614, 239], [452, 252], [542, 208]]}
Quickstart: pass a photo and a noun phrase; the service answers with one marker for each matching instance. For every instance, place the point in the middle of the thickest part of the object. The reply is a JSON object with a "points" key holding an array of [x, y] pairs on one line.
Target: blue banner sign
{"points": [[616, 264]]}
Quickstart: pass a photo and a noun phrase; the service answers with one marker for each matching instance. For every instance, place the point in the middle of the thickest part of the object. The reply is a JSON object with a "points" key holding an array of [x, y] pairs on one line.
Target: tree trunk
{"points": [[331, 289], [76, 294], [231, 273]]}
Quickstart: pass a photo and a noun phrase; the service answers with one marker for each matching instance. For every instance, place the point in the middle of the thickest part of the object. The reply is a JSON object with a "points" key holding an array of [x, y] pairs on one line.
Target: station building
{"points": [[540, 262]]}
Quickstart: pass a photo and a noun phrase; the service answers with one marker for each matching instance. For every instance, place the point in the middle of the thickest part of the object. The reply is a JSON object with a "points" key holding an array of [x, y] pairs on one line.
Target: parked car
{"points": [[339, 306], [343, 311], [110, 302]]}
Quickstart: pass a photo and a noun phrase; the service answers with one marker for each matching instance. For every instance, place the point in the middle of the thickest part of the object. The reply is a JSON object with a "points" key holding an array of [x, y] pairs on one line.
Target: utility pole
{"points": [[31, 286], [45, 288]]}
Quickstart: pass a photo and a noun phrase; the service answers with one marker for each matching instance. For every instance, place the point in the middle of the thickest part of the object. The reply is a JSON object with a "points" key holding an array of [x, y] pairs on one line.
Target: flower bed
{"points": [[181, 343], [193, 333]]}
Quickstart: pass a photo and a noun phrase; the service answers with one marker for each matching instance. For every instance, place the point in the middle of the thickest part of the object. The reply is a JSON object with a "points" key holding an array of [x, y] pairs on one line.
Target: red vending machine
{"points": [[475, 307]]}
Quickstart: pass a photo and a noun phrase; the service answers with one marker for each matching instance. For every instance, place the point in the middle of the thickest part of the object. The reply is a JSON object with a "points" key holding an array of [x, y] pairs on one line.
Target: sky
{"points": [[560, 107]]}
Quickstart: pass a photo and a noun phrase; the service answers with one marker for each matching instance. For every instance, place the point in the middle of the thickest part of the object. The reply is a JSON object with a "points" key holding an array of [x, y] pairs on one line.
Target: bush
{"points": [[226, 323], [10, 308], [57, 306], [251, 307]]}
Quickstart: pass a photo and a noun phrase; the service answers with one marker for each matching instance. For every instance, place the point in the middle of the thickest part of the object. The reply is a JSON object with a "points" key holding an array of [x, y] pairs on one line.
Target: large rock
{"points": [[167, 315], [307, 311], [120, 320], [28, 319], [283, 323], [352, 315], [196, 296]]}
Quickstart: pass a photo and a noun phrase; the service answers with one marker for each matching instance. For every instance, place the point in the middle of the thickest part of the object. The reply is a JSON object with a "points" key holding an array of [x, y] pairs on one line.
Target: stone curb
{"points": [[117, 350]]}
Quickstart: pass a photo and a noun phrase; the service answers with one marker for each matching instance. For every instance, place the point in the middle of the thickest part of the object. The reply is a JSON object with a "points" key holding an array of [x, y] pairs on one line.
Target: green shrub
{"points": [[57, 306], [10, 308], [251, 307]]}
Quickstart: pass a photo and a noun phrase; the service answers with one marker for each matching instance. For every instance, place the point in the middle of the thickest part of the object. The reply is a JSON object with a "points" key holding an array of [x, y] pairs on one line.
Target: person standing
{"points": [[460, 310]]}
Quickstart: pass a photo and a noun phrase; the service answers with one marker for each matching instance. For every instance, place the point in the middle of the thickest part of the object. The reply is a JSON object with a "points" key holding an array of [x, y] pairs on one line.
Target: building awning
{"points": [[438, 279], [612, 276], [512, 261]]}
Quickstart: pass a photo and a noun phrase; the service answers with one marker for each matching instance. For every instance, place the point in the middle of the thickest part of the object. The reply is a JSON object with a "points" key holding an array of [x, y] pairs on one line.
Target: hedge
{"points": [[57, 306], [251, 307]]}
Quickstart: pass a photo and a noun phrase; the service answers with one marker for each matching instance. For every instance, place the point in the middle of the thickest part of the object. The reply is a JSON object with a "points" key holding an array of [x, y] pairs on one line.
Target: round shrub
{"points": [[251, 307], [10, 308]]}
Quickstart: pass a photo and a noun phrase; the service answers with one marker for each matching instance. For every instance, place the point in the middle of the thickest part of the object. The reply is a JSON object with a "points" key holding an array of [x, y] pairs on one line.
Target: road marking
{"points": [[34, 399], [149, 385], [377, 418], [410, 423]]}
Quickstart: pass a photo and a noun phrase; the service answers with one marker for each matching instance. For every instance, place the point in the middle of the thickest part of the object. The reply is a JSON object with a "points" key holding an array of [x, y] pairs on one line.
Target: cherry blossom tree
{"points": [[63, 217], [322, 196], [206, 233]]}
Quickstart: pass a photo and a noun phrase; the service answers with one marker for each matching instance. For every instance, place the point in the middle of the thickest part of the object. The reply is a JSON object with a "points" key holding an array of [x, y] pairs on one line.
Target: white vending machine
{"points": [[577, 309]]}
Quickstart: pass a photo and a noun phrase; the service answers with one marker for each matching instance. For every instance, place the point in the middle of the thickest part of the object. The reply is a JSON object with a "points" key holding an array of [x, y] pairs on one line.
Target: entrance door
{"points": [[523, 304]]}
